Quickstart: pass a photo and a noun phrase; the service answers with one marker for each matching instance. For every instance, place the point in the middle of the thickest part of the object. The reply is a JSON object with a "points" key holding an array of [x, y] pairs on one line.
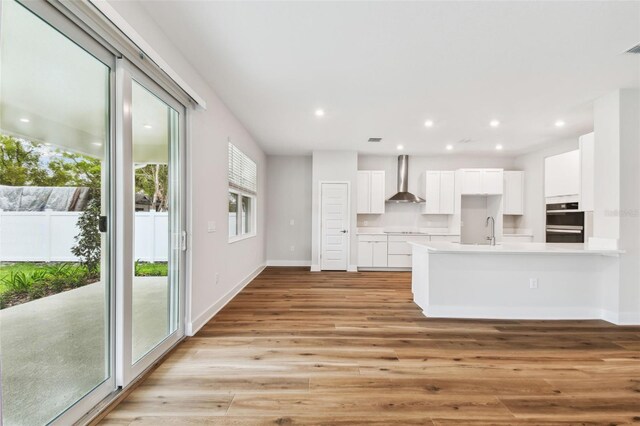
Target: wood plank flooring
{"points": [[302, 348]]}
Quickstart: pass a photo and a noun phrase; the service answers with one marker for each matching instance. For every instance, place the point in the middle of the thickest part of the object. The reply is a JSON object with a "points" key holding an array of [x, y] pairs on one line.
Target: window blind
{"points": [[242, 171]]}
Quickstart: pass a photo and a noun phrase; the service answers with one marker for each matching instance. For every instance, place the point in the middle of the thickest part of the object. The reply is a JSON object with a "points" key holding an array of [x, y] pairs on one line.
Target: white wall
{"points": [[606, 195], [333, 166], [289, 189], [410, 215], [616, 216], [208, 133], [532, 164]]}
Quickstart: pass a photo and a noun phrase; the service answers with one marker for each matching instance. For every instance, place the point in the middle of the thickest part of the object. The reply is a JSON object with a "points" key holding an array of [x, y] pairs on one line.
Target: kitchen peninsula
{"points": [[511, 280]]}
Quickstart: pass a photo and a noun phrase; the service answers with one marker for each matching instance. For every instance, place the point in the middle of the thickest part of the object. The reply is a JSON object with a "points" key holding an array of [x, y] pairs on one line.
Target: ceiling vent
{"points": [[635, 49], [375, 139]]}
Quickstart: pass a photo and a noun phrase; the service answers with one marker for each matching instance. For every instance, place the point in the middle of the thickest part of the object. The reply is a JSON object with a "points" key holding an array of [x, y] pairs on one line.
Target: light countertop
{"points": [[513, 248], [397, 231]]}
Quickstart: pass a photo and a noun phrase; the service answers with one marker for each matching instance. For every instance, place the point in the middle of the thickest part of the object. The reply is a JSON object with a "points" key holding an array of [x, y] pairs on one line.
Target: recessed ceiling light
{"points": [[449, 147], [319, 113], [148, 126], [96, 144], [400, 147], [24, 120], [428, 123], [499, 147], [560, 123], [494, 123]]}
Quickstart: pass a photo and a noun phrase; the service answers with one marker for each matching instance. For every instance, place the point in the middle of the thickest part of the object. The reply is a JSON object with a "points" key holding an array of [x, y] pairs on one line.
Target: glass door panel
{"points": [[157, 251], [55, 291]]}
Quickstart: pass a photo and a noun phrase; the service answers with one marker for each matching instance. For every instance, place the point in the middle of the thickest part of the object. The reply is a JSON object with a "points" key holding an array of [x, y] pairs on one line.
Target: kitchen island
{"points": [[512, 280]]}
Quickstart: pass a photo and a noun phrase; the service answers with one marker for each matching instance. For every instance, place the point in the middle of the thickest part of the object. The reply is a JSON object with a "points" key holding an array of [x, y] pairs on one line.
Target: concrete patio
{"points": [[53, 349]]}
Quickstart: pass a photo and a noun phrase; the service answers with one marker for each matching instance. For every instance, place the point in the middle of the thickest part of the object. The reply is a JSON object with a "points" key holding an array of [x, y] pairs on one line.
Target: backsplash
{"points": [[405, 215]]}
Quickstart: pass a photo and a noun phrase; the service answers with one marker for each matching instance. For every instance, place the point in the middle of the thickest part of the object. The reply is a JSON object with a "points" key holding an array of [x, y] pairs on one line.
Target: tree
{"points": [[152, 180], [88, 241], [25, 163], [20, 163]]}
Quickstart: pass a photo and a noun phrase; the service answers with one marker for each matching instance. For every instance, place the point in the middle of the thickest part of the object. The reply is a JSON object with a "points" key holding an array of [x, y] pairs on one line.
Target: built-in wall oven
{"points": [[565, 223]]}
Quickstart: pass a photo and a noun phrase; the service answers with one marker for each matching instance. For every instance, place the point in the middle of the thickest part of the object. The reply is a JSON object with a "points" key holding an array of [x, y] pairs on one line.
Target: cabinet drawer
{"points": [[399, 244], [399, 247], [409, 238], [399, 261], [450, 238], [372, 237]]}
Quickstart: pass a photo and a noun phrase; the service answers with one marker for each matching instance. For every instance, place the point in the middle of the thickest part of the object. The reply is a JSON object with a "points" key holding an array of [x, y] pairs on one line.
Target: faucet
{"points": [[492, 236]]}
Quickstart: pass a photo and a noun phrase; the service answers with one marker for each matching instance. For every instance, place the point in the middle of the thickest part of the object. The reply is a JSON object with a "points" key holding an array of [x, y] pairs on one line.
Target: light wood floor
{"points": [[351, 348]]}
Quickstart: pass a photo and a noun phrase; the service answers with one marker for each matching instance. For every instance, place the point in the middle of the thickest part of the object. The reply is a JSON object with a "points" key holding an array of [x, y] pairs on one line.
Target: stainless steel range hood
{"points": [[403, 195]]}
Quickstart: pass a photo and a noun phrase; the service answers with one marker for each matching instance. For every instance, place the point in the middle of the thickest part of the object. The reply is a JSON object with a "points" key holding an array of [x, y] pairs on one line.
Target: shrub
{"points": [[21, 282], [144, 269], [88, 241], [38, 290]]}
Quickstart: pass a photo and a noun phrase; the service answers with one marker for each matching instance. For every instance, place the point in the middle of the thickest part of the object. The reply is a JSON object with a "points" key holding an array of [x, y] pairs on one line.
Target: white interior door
{"points": [[334, 218]]}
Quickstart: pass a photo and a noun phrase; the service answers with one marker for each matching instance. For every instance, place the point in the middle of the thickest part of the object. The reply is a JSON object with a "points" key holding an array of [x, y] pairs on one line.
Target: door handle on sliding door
{"points": [[183, 241], [102, 224]]}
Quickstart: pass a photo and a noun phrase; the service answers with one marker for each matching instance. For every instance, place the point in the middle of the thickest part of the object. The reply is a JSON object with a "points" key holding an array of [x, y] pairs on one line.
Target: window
{"points": [[242, 195]]}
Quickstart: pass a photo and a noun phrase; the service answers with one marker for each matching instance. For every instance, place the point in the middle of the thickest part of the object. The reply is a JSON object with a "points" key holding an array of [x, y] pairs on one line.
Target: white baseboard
{"points": [[195, 325], [610, 316], [315, 268], [628, 318], [288, 263], [352, 268], [517, 313]]}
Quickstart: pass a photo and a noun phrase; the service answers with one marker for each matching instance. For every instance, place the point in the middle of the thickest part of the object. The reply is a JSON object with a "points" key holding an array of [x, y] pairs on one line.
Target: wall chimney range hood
{"points": [[403, 195]]}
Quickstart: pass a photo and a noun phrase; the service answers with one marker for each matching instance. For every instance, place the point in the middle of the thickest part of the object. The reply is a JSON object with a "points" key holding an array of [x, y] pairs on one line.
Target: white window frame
{"points": [[253, 219]]}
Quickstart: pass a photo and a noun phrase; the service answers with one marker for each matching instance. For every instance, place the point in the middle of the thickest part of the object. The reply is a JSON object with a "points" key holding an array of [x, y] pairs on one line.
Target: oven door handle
{"points": [[564, 231]]}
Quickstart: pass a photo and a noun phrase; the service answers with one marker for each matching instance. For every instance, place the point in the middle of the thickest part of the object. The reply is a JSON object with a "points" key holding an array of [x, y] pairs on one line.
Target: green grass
{"points": [[69, 272], [27, 268], [151, 269]]}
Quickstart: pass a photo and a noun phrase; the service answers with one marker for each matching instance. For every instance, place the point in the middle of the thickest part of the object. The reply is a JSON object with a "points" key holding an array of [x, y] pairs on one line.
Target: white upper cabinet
{"points": [[439, 192], [587, 161], [371, 194], [562, 175], [513, 197], [482, 181]]}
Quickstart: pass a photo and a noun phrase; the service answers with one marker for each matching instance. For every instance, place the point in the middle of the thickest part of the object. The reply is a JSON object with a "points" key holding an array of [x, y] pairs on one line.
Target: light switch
{"points": [[211, 226], [292, 222]]}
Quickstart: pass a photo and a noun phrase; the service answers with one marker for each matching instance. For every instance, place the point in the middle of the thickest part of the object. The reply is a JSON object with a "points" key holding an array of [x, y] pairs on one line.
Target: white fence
{"points": [[49, 236]]}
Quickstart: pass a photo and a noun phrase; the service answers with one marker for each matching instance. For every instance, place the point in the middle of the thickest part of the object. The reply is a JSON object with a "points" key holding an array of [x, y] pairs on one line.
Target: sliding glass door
{"points": [[92, 246], [153, 211], [56, 290]]}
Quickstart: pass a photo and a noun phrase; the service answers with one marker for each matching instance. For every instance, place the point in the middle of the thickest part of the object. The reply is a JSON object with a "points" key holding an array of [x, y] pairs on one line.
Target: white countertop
{"points": [[513, 248], [394, 231]]}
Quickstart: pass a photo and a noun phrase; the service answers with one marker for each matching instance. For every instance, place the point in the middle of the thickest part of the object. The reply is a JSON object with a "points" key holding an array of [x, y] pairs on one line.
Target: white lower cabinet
{"points": [[399, 261], [399, 249], [372, 251], [392, 251]]}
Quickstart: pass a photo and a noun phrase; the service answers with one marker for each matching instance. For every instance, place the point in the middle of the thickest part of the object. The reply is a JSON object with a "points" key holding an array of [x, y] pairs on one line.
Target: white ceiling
{"points": [[380, 69]]}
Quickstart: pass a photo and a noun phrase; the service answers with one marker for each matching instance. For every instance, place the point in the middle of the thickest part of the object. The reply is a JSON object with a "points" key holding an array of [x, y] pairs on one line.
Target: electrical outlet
{"points": [[217, 277], [533, 283], [292, 222], [211, 226], [292, 248]]}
